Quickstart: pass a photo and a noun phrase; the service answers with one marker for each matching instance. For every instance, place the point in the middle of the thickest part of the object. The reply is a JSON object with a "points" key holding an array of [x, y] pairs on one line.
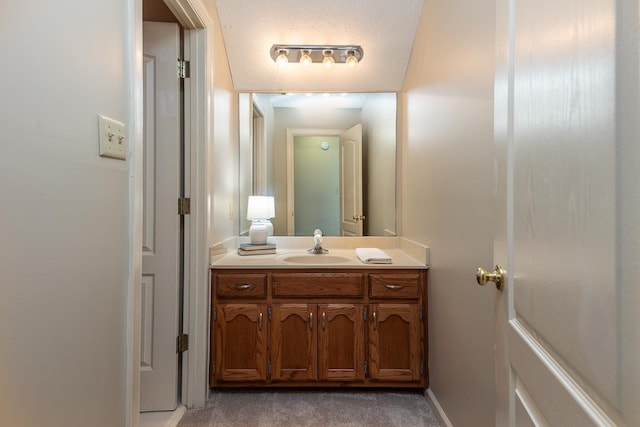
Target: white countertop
{"points": [[404, 254]]}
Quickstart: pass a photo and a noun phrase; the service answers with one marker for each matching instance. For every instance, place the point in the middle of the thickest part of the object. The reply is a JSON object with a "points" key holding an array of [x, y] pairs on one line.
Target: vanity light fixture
{"points": [[282, 59], [328, 59], [312, 54], [305, 59], [351, 60]]}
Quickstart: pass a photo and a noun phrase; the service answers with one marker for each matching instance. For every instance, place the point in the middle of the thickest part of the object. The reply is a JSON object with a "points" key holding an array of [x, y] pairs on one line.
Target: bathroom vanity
{"points": [[314, 323]]}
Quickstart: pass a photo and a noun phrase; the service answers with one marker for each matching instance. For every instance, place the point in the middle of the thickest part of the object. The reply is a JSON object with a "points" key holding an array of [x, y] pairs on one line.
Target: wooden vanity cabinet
{"points": [[395, 342], [294, 343], [320, 327], [341, 337], [397, 329], [317, 342], [241, 342]]}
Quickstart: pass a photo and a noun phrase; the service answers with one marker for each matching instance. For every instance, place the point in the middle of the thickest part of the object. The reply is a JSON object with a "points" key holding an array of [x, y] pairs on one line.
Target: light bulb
{"points": [[305, 59], [351, 60], [282, 59], [328, 60]]}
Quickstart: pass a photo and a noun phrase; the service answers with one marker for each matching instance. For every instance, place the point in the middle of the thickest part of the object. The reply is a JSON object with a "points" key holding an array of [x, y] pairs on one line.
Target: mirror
{"points": [[291, 148]]}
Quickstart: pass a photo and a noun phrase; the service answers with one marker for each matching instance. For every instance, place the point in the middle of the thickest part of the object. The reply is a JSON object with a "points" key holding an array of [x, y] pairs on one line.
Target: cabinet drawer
{"points": [[312, 285], [235, 285], [394, 285]]}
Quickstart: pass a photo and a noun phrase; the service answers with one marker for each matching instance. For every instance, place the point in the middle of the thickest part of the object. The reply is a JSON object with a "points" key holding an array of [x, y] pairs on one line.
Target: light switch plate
{"points": [[112, 140]]}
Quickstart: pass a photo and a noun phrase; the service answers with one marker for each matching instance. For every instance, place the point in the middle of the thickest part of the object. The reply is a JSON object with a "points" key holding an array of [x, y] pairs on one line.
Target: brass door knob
{"points": [[499, 277], [357, 218]]}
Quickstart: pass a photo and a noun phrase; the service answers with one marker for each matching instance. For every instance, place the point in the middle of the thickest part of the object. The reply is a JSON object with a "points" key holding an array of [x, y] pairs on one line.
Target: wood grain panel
{"points": [[341, 342], [312, 285], [394, 342], [395, 285], [241, 342], [294, 342], [248, 285]]}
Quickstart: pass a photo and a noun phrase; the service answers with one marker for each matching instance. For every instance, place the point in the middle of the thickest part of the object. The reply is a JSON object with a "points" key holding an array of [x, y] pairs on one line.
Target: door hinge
{"points": [[269, 312], [269, 367], [182, 343], [215, 313], [421, 313], [213, 367], [184, 206], [366, 368], [366, 310], [422, 368], [184, 69]]}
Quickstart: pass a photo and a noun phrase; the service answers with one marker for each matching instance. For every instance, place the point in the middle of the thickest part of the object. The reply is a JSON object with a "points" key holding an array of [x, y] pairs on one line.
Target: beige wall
{"points": [[447, 180], [64, 238]]}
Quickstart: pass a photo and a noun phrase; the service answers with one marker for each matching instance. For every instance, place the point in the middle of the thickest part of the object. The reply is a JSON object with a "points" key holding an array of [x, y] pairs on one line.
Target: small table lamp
{"points": [[260, 210]]}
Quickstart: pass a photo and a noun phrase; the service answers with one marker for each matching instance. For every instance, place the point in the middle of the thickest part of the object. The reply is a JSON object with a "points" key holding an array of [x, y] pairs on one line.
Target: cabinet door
{"points": [[341, 342], [394, 342], [293, 342], [241, 340]]}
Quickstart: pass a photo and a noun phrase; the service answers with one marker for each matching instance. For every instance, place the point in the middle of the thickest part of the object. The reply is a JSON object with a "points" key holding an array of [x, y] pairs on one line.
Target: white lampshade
{"points": [[259, 210], [261, 207]]}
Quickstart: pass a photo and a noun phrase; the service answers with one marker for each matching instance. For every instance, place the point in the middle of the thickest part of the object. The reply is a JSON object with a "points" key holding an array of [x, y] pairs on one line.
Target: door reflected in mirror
{"points": [[291, 148]]}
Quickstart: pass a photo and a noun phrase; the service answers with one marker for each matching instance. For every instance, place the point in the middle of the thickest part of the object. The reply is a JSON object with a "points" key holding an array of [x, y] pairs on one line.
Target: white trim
{"points": [[134, 135], [291, 134], [197, 307], [189, 146], [193, 16], [189, 13], [577, 399], [442, 417]]}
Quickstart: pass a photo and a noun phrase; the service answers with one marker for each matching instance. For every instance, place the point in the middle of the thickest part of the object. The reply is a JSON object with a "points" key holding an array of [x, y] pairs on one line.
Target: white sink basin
{"points": [[316, 259]]}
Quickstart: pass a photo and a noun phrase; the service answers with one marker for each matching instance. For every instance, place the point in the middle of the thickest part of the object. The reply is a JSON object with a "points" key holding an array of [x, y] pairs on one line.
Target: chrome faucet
{"points": [[317, 243]]}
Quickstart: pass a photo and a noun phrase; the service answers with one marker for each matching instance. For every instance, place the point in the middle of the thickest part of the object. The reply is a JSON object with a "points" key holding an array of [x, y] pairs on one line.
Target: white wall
{"points": [[296, 118], [64, 211], [223, 145], [447, 181], [245, 160], [379, 131], [263, 103]]}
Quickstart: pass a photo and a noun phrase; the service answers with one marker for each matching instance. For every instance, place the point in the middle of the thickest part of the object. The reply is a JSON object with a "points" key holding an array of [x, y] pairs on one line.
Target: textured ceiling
{"points": [[385, 29]]}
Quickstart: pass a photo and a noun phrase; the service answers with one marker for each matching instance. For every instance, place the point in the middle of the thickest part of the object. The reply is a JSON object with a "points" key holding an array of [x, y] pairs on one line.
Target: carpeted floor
{"points": [[266, 408]]}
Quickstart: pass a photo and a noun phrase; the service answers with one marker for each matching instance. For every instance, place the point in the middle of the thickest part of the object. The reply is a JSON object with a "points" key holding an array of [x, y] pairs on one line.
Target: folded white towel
{"points": [[373, 256]]}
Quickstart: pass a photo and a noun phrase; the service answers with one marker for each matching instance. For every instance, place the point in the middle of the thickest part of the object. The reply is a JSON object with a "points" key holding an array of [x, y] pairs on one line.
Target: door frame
{"points": [[291, 134], [199, 34]]}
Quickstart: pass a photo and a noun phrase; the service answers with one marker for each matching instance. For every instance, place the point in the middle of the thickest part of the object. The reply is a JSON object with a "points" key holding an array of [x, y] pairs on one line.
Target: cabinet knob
{"points": [[311, 321], [324, 320], [375, 321], [260, 321]]}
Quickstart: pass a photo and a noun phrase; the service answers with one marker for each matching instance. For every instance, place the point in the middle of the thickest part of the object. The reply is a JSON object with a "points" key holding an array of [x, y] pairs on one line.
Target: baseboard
{"points": [[435, 405], [176, 416]]}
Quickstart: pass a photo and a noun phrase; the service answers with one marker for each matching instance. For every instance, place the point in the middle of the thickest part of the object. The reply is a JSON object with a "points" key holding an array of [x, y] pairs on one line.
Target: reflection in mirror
{"points": [[291, 148]]}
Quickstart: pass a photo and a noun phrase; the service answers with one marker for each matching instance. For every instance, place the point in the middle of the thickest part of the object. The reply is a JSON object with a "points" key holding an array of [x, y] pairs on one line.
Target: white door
{"points": [[567, 146], [161, 232], [351, 214]]}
